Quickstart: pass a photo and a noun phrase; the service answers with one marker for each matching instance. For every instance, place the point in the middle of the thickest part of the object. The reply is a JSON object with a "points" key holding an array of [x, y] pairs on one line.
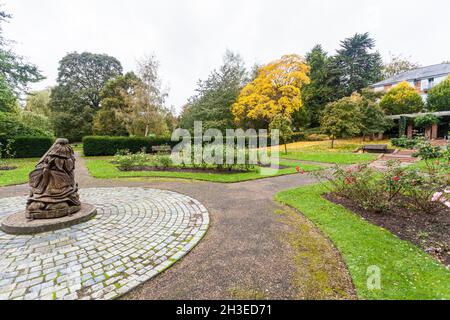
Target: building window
{"points": [[430, 83]]}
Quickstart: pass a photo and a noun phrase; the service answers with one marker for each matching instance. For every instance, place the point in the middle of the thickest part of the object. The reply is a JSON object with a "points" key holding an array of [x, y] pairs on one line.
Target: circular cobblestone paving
{"points": [[136, 234]]}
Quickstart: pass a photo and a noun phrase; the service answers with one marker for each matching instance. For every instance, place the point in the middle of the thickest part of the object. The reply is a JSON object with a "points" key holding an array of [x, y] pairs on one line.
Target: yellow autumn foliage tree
{"points": [[275, 90]]}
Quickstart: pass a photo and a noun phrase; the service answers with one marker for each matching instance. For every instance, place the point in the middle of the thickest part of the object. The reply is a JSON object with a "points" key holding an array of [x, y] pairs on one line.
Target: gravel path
{"points": [[243, 254]]}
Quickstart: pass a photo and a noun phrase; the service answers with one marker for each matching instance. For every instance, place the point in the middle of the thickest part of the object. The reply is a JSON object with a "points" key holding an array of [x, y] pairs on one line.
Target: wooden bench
{"points": [[375, 148]]}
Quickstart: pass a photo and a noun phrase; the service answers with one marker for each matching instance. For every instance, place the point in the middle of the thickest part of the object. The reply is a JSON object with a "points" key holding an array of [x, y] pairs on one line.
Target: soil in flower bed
{"points": [[431, 232]]}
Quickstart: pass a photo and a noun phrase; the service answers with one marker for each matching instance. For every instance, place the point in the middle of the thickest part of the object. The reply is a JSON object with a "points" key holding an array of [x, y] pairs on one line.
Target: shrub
{"points": [[162, 161], [403, 98], [404, 142], [28, 146], [439, 96], [426, 120], [108, 146], [428, 151], [395, 187], [12, 126]]}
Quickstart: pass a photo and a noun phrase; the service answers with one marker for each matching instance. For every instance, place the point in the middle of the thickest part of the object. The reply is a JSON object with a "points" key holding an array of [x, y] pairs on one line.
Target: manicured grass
{"points": [[330, 157], [406, 271], [101, 167], [18, 175], [421, 165]]}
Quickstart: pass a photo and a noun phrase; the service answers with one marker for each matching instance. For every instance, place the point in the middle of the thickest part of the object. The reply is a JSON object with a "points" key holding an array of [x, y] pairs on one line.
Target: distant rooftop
{"points": [[419, 73]]}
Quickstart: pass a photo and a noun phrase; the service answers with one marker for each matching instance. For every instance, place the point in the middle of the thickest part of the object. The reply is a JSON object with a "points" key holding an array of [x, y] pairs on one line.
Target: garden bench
{"points": [[375, 148]]}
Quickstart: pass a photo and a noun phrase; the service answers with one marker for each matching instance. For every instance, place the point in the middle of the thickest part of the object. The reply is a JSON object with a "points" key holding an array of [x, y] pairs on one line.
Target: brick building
{"points": [[423, 78]]}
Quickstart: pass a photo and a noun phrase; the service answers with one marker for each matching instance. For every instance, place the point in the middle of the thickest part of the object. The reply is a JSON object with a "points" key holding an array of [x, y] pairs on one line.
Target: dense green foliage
{"points": [[373, 118], [11, 126], [402, 99], [341, 119], [355, 66], [76, 97], [439, 97], [283, 125], [108, 146], [107, 120], [215, 95], [426, 120], [320, 91], [15, 72], [404, 142], [38, 102]]}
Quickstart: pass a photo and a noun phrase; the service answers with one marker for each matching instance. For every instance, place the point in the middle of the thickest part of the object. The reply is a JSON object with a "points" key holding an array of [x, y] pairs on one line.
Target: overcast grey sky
{"points": [[189, 37]]}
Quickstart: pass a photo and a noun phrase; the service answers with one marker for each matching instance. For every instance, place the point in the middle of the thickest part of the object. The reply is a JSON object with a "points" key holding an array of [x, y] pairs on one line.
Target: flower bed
{"points": [[412, 204]]}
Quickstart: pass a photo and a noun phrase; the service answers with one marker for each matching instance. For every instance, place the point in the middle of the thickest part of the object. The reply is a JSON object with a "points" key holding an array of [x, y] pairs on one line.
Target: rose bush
{"points": [[397, 186]]}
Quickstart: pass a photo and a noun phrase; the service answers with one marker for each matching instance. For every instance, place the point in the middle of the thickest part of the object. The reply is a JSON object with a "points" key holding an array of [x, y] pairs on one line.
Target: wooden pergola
{"points": [[431, 133]]}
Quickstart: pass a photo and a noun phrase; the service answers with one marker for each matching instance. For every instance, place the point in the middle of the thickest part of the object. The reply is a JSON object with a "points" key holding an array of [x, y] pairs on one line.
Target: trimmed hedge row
{"points": [[28, 146], [108, 146]]}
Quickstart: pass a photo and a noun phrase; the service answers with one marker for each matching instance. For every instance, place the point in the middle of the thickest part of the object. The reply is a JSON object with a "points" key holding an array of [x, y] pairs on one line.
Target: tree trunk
{"points": [[285, 148], [332, 142]]}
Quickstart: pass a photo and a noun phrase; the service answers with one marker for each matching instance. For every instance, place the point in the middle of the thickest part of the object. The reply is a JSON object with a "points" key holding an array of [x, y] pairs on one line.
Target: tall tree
{"points": [[283, 124], [85, 74], [71, 117], [356, 65], [7, 98], [319, 92], [76, 97], [215, 95], [277, 89], [342, 118], [38, 102], [398, 64], [373, 118], [113, 102]]}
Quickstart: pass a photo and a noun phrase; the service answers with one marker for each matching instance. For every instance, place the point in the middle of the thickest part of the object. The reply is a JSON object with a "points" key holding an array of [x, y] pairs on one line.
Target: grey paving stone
{"points": [[136, 234]]}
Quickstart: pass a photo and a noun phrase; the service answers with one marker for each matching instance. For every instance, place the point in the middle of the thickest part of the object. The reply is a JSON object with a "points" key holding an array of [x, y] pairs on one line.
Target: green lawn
{"points": [[18, 175], [406, 271], [101, 167], [329, 157]]}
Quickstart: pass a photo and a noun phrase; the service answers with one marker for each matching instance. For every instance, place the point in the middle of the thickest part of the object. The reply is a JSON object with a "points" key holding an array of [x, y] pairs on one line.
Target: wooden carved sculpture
{"points": [[54, 193]]}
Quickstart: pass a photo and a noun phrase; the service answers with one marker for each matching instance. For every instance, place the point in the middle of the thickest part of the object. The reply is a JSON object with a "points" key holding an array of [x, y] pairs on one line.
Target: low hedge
{"points": [[28, 146], [108, 146]]}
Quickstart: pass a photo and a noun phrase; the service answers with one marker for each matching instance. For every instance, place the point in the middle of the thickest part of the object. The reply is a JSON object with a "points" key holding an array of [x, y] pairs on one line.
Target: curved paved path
{"points": [[243, 254]]}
